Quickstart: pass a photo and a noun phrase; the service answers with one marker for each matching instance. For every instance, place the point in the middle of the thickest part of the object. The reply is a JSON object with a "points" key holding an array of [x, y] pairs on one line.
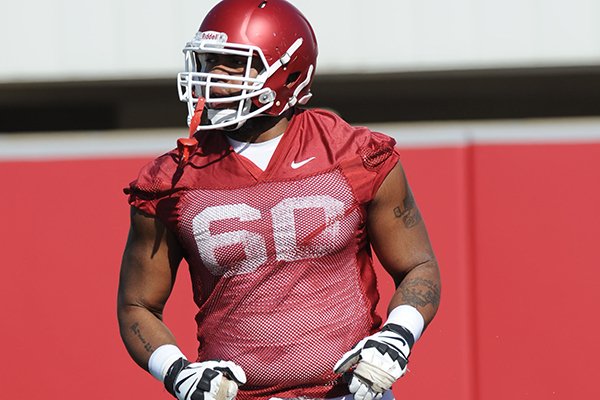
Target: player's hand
{"points": [[378, 361], [208, 380]]}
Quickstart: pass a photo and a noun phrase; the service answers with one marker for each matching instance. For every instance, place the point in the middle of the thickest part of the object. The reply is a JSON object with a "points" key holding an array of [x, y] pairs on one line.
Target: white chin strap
{"points": [[221, 116], [225, 118]]}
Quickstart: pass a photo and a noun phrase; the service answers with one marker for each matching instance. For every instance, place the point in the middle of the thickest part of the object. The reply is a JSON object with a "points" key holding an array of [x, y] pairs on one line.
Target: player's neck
{"points": [[261, 129]]}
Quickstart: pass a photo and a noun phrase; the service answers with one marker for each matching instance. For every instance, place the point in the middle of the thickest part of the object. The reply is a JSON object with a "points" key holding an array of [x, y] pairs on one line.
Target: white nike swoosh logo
{"points": [[296, 165]]}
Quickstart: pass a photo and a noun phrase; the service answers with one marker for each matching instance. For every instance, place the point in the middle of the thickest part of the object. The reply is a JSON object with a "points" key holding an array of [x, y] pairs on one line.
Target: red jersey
{"points": [[279, 259]]}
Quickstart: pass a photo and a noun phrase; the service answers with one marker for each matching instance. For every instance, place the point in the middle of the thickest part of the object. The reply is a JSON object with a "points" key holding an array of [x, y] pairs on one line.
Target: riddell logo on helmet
{"points": [[213, 36]]}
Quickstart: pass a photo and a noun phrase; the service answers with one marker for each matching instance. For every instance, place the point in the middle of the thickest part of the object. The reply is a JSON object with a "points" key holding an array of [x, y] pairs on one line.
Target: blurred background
{"points": [[496, 110]]}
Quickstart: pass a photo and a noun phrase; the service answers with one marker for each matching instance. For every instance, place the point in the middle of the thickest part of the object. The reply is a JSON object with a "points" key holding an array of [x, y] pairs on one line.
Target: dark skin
{"points": [[150, 261], [399, 238], [152, 253]]}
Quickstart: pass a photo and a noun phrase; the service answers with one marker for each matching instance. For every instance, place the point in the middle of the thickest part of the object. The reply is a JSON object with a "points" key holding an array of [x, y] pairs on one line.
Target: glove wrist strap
{"points": [[402, 332], [172, 373]]}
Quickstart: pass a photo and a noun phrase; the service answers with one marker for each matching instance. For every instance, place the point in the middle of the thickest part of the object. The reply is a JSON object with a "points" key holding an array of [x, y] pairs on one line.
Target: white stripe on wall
{"points": [[461, 133], [122, 144], [109, 144]]}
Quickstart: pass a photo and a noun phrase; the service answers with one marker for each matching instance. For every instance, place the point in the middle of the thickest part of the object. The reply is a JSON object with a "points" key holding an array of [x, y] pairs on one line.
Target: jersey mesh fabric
{"points": [[289, 301], [280, 262]]}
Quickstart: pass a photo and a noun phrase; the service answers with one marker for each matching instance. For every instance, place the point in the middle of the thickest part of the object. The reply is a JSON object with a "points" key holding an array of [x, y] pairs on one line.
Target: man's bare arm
{"points": [[400, 240], [148, 270]]}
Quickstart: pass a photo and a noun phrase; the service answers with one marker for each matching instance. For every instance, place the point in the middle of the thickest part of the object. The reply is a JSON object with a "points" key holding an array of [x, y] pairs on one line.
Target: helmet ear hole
{"points": [[292, 78]]}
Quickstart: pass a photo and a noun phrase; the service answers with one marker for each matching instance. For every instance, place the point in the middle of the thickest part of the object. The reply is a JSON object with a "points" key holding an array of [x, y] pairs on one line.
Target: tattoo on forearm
{"points": [[420, 292], [135, 328], [408, 211]]}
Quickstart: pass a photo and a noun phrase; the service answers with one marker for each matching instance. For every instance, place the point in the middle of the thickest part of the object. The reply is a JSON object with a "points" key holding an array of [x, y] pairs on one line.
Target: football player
{"points": [[275, 208]]}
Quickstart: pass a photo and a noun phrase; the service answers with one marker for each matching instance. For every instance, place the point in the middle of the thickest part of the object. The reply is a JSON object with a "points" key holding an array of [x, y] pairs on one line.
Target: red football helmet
{"points": [[273, 32]]}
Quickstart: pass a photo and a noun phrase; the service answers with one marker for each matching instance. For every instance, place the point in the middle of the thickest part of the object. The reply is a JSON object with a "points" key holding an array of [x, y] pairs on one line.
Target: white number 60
{"points": [[284, 232]]}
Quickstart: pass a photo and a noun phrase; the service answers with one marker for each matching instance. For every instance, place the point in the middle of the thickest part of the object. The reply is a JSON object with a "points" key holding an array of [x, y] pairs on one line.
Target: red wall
{"points": [[515, 228]]}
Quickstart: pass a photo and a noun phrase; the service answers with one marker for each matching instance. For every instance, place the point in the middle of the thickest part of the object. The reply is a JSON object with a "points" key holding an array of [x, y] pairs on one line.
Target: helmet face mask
{"points": [[275, 62], [197, 81]]}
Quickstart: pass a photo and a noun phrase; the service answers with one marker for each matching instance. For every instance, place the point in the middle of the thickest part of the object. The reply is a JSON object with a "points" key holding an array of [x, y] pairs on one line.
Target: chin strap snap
{"points": [[187, 146]]}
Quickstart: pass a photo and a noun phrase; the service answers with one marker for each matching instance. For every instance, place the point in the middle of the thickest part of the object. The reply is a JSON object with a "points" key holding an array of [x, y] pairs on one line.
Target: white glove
{"points": [[379, 360], [204, 380]]}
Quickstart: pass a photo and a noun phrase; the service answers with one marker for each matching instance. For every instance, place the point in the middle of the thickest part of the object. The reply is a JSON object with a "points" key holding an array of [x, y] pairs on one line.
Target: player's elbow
{"points": [[131, 308]]}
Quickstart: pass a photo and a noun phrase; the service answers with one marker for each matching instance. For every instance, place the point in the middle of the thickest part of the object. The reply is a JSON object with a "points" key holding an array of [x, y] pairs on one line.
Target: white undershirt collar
{"points": [[259, 153]]}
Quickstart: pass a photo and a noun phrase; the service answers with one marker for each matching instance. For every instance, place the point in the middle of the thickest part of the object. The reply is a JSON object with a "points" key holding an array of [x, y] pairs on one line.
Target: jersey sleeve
{"points": [[376, 155], [154, 185]]}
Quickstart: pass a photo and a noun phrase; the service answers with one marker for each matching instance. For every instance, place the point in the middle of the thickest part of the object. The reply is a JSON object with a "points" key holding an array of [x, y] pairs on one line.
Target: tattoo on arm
{"points": [[408, 211], [420, 292], [135, 328]]}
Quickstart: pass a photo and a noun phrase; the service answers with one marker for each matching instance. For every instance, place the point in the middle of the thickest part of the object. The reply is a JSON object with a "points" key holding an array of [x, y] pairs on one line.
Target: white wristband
{"points": [[162, 358], [408, 317]]}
